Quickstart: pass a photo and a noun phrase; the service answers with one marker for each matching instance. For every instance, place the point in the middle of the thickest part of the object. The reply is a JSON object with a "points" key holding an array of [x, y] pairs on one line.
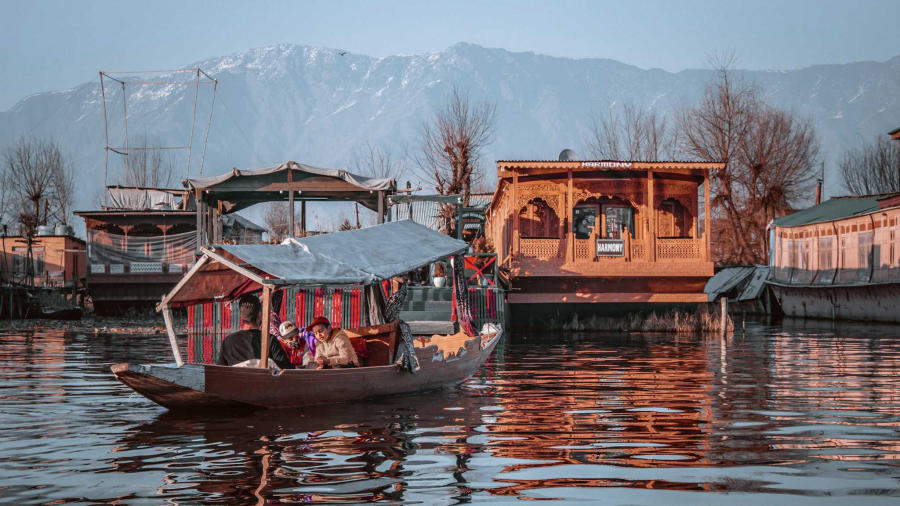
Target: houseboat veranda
{"points": [[588, 237], [360, 261]]}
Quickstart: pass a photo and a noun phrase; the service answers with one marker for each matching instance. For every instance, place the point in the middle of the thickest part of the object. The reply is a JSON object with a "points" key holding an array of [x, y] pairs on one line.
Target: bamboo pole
{"points": [[264, 346], [170, 330]]}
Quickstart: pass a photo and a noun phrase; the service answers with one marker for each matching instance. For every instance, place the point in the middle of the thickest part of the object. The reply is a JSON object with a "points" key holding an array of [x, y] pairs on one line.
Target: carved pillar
{"points": [[515, 214], [706, 231], [651, 215], [570, 232]]}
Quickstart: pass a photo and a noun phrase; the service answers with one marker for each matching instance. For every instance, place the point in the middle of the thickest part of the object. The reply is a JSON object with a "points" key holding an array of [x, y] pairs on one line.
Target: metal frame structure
{"points": [[120, 78]]}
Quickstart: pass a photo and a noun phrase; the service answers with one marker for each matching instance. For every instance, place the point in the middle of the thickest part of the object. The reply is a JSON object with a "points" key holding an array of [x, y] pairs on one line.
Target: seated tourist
{"points": [[333, 348], [294, 344], [246, 344]]}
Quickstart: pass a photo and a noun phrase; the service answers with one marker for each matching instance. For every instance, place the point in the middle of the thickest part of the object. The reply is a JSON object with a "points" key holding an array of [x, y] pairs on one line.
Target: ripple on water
{"points": [[779, 415]]}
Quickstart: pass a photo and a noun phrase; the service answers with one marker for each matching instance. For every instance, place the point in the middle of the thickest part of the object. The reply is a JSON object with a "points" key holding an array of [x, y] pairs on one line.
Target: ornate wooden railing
{"points": [[639, 250], [544, 249], [678, 249]]}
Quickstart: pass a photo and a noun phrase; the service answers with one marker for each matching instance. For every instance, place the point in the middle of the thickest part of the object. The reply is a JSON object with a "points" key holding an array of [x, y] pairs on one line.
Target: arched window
{"points": [[538, 220], [673, 219]]}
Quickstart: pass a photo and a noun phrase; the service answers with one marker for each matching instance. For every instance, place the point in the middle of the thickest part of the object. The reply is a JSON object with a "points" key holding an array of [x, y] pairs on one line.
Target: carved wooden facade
{"points": [[602, 231]]}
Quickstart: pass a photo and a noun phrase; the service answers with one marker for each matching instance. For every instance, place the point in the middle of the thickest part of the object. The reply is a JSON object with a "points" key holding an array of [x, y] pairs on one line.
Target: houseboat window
{"points": [[826, 253], [584, 218], [865, 251], [538, 220], [617, 218]]}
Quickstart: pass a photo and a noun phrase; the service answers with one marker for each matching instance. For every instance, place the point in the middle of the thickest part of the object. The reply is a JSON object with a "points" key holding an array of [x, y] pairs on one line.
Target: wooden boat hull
{"points": [[200, 386]]}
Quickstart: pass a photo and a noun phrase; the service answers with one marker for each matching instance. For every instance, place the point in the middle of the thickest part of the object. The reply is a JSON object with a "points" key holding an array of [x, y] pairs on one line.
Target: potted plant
{"points": [[439, 276]]}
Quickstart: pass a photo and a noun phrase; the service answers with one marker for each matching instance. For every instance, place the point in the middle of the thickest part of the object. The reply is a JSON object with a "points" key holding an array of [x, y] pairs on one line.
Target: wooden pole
{"points": [[170, 331], [515, 215], [303, 218], [570, 214], [293, 231], [706, 232], [380, 208], [652, 215], [723, 322], [266, 305]]}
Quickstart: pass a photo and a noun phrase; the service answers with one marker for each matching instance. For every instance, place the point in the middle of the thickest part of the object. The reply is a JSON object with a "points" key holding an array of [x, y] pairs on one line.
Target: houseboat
{"points": [[586, 237], [141, 243], [397, 362], [839, 259]]}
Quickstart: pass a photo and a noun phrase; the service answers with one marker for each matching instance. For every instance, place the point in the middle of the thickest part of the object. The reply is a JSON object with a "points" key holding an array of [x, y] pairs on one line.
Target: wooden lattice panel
{"points": [[677, 249], [545, 249]]}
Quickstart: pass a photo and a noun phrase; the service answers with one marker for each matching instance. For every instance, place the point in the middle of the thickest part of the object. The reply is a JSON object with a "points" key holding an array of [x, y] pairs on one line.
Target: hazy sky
{"points": [[50, 45]]}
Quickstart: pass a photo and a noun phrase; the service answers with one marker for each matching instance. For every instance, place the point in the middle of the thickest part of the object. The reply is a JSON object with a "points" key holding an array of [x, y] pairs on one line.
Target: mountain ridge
{"points": [[313, 104]]}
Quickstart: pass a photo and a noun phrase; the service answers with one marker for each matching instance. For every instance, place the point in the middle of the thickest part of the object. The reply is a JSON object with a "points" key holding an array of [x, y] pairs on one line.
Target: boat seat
{"points": [[381, 342]]}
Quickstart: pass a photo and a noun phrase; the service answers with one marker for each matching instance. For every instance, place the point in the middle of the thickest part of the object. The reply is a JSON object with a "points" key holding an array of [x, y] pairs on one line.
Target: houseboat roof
{"points": [[238, 189], [360, 256], [837, 208], [591, 165]]}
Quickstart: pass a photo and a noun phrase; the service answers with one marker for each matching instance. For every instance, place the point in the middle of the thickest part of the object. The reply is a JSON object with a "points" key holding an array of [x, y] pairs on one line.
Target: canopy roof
{"points": [[353, 257], [239, 189]]}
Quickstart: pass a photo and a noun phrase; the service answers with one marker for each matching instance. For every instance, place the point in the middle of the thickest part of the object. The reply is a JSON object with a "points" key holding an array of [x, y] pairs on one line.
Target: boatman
{"points": [[246, 344]]}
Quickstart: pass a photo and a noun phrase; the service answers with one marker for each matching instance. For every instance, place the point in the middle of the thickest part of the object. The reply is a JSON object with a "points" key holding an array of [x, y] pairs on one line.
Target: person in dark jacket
{"points": [[246, 344]]}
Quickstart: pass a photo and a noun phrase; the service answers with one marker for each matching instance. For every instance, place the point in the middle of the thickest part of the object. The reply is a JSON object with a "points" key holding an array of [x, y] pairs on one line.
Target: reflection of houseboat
{"points": [[839, 259], [141, 243], [620, 232]]}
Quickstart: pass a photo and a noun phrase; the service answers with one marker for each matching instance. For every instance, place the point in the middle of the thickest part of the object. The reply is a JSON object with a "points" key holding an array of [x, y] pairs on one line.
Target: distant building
{"points": [[56, 260], [586, 236]]}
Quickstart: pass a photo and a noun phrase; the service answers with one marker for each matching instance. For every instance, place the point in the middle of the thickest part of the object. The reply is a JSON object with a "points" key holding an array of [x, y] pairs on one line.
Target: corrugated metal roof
{"points": [[725, 280], [834, 208], [428, 213], [749, 282], [753, 289]]}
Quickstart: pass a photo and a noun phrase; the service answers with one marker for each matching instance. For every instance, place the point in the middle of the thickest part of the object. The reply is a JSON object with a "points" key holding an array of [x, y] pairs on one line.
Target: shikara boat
{"points": [[362, 257]]}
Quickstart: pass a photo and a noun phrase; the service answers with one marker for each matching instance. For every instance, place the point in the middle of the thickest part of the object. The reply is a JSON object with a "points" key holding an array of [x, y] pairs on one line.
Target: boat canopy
{"points": [[362, 256], [237, 189]]}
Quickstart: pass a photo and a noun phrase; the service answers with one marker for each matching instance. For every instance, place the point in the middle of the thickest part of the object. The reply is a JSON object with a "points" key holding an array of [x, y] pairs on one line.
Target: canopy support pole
{"points": [[293, 232], [266, 305], [380, 207], [302, 218], [170, 330]]}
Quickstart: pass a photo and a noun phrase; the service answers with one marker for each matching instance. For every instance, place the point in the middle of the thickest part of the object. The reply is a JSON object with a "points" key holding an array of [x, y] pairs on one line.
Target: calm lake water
{"points": [[802, 413]]}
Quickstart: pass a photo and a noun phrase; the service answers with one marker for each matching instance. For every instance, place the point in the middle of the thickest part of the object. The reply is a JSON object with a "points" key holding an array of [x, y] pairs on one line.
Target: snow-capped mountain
{"points": [[320, 106]]}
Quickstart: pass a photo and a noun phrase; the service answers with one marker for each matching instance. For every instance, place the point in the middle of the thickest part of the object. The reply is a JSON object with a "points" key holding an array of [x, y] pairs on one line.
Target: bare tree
{"points": [[873, 168], [635, 134], [278, 220], [40, 181], [6, 196], [375, 161], [452, 145], [453, 142], [148, 167], [770, 160]]}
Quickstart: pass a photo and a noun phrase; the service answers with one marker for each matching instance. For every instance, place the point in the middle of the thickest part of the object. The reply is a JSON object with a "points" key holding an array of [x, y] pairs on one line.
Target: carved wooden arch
{"points": [[549, 193], [580, 196], [683, 200]]}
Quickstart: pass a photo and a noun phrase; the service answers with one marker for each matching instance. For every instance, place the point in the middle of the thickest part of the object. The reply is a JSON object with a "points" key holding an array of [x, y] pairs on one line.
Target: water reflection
{"points": [[801, 412]]}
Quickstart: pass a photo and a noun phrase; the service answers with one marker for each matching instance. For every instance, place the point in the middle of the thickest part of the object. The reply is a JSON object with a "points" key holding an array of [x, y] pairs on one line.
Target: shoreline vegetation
{"points": [[701, 321]]}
